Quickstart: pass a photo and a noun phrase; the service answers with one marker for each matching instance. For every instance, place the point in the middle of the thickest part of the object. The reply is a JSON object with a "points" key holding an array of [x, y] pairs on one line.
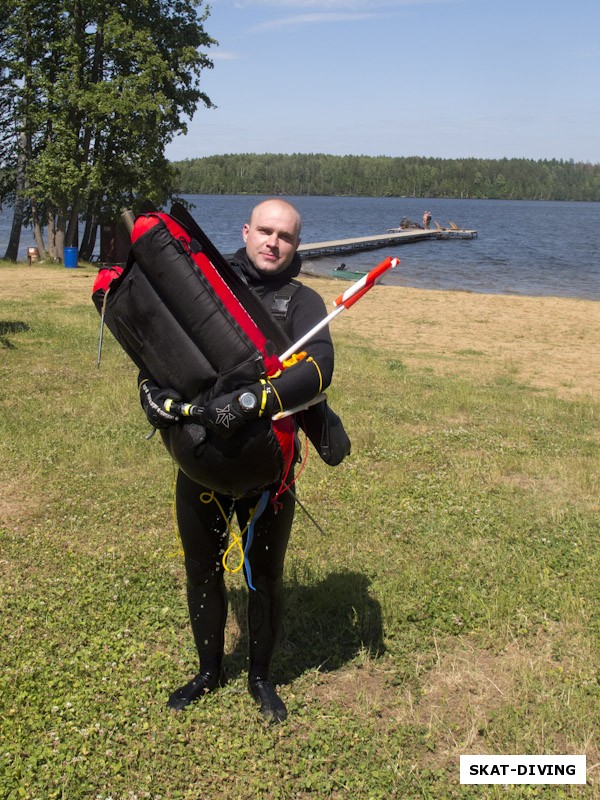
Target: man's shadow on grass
{"points": [[325, 626]]}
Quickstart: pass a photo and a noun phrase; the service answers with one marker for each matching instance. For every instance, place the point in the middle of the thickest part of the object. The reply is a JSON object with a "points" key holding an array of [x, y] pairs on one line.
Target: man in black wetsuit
{"points": [[269, 264]]}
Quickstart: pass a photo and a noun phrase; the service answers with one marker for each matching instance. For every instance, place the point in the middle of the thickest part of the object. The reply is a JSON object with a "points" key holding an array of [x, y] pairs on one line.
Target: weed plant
{"points": [[449, 606]]}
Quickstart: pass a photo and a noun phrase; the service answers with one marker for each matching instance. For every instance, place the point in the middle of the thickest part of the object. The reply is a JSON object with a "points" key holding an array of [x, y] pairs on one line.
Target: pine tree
{"points": [[104, 86]]}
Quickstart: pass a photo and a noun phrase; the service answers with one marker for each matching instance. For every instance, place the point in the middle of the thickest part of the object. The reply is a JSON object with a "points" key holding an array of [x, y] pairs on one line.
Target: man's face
{"points": [[272, 235]]}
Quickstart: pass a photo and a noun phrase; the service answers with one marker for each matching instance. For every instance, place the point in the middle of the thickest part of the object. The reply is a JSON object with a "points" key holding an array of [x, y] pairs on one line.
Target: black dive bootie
{"points": [[201, 684], [272, 706]]}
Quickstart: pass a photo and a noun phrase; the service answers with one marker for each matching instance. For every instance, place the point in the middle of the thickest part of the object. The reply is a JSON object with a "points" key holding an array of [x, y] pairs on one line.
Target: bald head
{"points": [[272, 235]]}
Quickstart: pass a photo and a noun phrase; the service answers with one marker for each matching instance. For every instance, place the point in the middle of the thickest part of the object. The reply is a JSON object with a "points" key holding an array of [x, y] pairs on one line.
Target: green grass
{"points": [[451, 606]]}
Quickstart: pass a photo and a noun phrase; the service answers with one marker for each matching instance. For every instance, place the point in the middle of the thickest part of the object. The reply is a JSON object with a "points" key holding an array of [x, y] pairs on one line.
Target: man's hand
{"points": [[152, 399], [227, 414]]}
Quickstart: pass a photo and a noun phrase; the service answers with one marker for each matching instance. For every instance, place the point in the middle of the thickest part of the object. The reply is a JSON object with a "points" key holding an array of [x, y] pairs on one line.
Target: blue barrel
{"points": [[71, 254]]}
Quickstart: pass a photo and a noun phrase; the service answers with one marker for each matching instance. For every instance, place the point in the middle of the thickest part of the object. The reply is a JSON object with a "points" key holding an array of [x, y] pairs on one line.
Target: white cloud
{"points": [[225, 55]]}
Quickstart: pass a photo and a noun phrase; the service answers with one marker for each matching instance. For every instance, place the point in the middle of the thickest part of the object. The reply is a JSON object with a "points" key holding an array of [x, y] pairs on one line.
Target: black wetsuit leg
{"points": [[203, 532], [204, 536], [265, 602]]}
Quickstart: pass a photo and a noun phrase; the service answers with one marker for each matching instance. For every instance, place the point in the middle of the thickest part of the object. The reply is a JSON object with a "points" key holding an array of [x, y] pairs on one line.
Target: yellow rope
{"points": [[209, 497], [312, 361], [263, 397], [276, 393], [179, 551]]}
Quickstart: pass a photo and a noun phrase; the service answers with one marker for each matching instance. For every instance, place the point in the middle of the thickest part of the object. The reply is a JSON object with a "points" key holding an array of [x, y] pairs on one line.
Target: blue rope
{"points": [[262, 504]]}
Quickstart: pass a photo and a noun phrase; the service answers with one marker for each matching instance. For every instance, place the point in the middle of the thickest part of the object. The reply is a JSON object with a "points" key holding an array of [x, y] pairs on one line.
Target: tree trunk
{"points": [[59, 237], [72, 234], [12, 251], [39, 239], [52, 237], [88, 240], [38, 233]]}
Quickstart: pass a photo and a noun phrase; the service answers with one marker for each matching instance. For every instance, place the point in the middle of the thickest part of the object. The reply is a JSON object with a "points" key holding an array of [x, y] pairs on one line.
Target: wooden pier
{"points": [[392, 237]]}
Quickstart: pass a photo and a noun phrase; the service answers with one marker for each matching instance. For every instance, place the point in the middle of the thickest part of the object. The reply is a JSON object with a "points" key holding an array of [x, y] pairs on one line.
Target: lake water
{"points": [[523, 247]]}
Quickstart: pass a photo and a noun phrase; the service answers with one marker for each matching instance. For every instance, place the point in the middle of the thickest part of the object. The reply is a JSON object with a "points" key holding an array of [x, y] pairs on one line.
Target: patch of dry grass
{"points": [[467, 694]]}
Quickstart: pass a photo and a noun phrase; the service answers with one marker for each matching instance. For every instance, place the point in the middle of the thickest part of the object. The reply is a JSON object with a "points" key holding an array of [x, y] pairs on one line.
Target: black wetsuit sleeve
{"points": [[304, 380]]}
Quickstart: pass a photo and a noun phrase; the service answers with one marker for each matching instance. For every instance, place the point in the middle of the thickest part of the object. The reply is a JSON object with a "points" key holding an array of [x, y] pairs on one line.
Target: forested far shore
{"points": [[384, 176]]}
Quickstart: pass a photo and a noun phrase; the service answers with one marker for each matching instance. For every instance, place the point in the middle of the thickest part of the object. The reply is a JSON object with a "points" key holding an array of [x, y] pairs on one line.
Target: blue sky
{"points": [[442, 78]]}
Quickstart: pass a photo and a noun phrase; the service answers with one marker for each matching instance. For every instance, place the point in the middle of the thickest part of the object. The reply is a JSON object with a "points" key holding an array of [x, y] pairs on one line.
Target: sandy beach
{"points": [[548, 343]]}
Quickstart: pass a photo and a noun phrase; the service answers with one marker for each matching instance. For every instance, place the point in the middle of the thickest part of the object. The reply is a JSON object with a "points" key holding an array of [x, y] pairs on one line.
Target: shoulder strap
{"points": [[282, 298]]}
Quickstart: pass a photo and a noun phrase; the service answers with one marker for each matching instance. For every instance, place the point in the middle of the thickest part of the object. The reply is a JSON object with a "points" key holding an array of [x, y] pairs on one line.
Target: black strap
{"points": [[282, 299]]}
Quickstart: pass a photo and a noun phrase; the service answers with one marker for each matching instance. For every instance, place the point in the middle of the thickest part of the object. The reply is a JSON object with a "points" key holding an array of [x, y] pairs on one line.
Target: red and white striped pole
{"points": [[345, 300]]}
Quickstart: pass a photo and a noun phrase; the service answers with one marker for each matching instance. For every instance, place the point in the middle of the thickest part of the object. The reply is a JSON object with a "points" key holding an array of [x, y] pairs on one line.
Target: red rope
{"points": [[283, 487]]}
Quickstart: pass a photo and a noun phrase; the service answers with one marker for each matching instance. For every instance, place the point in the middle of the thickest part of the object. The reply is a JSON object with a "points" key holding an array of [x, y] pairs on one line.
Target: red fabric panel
{"points": [[105, 277], [284, 430]]}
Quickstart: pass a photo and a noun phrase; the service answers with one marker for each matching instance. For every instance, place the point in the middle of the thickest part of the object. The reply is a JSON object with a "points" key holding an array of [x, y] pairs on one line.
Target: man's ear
{"points": [[245, 230]]}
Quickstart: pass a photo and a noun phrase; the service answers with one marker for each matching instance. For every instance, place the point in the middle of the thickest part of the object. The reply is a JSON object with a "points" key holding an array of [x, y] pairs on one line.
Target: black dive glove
{"points": [[230, 412], [152, 398]]}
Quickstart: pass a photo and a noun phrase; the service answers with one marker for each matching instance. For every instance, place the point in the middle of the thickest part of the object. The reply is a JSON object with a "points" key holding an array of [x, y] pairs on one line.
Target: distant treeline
{"points": [[382, 176]]}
